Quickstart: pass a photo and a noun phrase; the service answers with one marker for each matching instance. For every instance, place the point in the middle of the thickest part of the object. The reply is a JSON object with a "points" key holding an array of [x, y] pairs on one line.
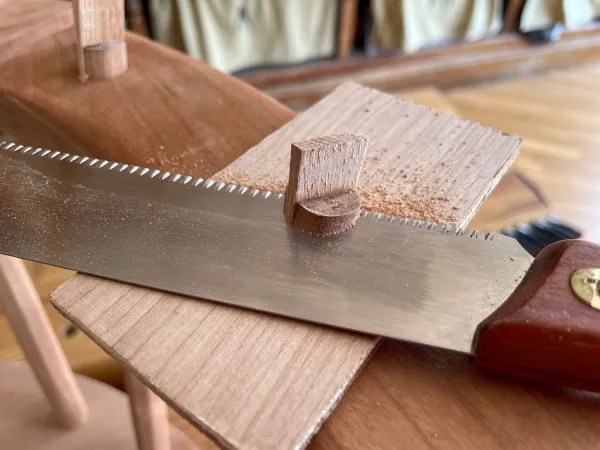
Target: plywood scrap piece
{"points": [[101, 50], [251, 380], [321, 193]]}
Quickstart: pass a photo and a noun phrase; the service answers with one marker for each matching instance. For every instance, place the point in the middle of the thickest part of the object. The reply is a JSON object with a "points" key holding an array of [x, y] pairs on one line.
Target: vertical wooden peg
{"points": [[101, 48], [34, 332], [321, 195], [149, 415]]}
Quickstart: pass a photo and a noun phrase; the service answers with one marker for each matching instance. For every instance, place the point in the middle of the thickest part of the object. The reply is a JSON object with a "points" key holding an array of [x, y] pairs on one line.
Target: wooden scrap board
{"points": [[420, 163], [251, 380]]}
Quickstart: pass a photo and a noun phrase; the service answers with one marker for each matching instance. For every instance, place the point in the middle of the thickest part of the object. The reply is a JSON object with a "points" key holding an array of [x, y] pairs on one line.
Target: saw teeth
{"points": [[232, 188], [429, 226]]}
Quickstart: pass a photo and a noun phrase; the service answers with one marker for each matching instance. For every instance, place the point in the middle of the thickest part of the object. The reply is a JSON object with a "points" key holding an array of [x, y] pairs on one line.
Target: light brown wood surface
{"points": [[27, 422], [512, 201], [149, 414], [245, 379], [21, 305], [420, 163], [289, 375], [558, 116]]}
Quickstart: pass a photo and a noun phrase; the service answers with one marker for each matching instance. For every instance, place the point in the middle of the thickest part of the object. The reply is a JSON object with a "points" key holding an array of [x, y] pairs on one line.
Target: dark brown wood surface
{"points": [[512, 14], [543, 327]]}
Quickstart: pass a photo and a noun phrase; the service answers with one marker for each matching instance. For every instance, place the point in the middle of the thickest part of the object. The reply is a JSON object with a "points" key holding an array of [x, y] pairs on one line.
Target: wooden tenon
{"points": [[321, 195]]}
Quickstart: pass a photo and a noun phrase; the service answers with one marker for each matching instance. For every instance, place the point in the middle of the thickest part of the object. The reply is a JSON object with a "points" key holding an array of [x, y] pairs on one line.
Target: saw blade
{"points": [[399, 278]]}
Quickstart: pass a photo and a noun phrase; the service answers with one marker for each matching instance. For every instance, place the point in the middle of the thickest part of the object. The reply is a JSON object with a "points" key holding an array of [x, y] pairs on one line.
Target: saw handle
{"points": [[544, 331]]}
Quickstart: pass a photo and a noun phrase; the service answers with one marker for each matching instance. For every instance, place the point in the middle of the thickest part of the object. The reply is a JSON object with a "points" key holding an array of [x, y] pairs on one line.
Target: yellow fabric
{"points": [[410, 25], [237, 34], [539, 14]]}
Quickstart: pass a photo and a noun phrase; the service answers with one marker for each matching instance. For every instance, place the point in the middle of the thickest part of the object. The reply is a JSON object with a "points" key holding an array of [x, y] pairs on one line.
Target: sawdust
{"points": [[433, 209], [418, 202]]}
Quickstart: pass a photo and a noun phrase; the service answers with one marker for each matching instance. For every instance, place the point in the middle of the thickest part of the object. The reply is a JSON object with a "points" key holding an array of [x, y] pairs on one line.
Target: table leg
{"points": [[149, 415], [24, 312]]}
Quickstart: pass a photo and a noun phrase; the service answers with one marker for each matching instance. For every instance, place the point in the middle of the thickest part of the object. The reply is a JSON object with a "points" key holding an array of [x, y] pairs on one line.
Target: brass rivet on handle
{"points": [[586, 285]]}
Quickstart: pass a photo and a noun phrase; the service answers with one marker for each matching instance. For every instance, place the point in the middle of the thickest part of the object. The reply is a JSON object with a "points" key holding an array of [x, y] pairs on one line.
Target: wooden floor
{"points": [[558, 117]]}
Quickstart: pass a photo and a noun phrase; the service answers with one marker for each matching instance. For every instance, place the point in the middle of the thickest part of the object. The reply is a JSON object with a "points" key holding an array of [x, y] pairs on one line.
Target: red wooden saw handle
{"points": [[544, 331]]}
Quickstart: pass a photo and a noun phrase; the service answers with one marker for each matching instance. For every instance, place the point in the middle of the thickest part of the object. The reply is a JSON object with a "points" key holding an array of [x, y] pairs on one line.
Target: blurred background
{"points": [[297, 50]]}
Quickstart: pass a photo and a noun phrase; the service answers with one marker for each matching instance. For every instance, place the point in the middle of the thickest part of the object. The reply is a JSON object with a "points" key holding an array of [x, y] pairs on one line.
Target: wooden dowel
{"points": [[149, 414], [32, 328]]}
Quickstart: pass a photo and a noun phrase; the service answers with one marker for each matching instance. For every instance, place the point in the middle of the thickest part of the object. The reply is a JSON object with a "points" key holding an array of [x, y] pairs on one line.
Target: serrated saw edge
{"points": [[209, 183]]}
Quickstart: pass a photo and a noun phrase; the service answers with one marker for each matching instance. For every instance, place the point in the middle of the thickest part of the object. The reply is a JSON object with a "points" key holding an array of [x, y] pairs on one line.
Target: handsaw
{"points": [[467, 291]]}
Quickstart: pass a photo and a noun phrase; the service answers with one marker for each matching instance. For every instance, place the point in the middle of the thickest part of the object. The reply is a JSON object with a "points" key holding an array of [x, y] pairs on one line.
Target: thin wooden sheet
{"points": [[255, 381]]}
